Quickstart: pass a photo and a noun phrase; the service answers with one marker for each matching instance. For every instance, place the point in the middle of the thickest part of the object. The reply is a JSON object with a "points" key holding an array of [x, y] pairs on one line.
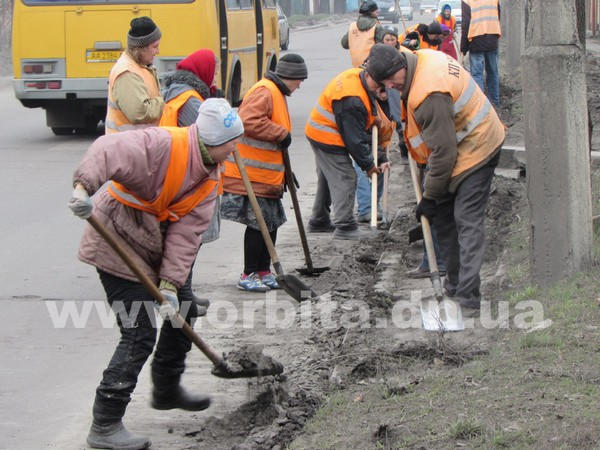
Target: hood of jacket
{"points": [[182, 80]]}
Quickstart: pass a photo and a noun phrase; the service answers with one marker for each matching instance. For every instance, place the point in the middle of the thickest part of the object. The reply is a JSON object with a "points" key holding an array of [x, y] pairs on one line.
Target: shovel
{"points": [[309, 270], [386, 186], [439, 314], [290, 284], [262, 366]]}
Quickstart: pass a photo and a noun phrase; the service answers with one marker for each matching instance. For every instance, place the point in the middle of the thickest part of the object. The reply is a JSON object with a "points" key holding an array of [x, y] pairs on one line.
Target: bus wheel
{"points": [[62, 131]]}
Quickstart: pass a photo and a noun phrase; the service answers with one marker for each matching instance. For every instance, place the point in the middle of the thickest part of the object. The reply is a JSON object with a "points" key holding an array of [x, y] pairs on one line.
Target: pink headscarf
{"points": [[201, 63]]}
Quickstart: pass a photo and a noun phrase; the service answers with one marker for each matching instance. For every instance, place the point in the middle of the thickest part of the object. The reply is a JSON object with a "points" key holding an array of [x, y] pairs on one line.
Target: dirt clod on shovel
{"points": [[248, 361]]}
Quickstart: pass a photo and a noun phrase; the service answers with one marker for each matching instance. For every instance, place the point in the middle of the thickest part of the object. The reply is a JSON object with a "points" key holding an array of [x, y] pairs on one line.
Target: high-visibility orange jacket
{"points": [[162, 206], [450, 23], [360, 43], [321, 126], [115, 119], [263, 159], [422, 42], [386, 128], [479, 131], [171, 109], [484, 18]]}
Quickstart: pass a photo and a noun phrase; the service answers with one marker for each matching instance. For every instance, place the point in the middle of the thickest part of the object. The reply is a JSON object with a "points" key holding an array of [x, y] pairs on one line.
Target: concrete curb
{"points": [[5, 81]]}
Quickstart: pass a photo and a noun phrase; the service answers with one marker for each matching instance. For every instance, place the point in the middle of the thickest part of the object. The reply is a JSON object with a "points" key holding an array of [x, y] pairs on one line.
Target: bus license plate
{"points": [[102, 56]]}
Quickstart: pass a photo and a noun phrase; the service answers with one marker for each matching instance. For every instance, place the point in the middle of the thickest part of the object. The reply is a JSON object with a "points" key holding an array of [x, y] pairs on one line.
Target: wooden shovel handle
{"points": [[374, 136], [431, 256], [154, 291]]}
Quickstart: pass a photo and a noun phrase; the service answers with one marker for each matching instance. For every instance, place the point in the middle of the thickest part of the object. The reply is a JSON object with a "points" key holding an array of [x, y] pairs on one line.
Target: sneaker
{"points": [[353, 235], [252, 283], [270, 280], [318, 228]]}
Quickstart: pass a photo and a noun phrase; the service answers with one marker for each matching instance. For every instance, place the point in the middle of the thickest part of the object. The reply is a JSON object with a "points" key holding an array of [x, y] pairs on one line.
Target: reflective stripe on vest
{"points": [[478, 129], [172, 107], [263, 159], [163, 207], [115, 119], [484, 18], [321, 126], [360, 43]]}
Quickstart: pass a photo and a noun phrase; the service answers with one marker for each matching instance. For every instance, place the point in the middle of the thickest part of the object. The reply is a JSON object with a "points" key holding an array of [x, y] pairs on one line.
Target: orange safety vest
{"points": [[484, 18], [263, 159], [162, 206], [449, 23], [386, 129], [172, 107], [321, 126], [360, 43], [422, 43], [479, 131], [115, 119]]}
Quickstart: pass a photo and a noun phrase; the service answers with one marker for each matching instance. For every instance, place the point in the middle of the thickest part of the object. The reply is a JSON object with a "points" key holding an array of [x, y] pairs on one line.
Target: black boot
{"points": [[115, 436], [171, 397]]}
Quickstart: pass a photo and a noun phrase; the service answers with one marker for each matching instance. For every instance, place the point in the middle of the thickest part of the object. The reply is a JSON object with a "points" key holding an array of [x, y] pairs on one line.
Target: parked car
{"points": [[456, 9], [388, 11], [284, 29], [428, 6]]}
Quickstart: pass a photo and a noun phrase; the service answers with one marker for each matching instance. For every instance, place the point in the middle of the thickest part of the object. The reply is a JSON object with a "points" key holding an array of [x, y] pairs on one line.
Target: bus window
{"points": [[233, 4], [269, 3], [246, 4]]}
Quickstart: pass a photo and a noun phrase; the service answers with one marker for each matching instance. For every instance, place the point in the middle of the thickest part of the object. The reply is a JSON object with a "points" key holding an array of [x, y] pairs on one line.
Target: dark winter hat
{"points": [[291, 67], [143, 32], [384, 61], [446, 6], [367, 7], [391, 30], [434, 28]]}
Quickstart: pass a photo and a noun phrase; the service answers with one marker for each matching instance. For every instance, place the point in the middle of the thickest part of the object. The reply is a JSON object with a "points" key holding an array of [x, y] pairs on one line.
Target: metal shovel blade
{"points": [[312, 271], [444, 315], [295, 287], [267, 367]]}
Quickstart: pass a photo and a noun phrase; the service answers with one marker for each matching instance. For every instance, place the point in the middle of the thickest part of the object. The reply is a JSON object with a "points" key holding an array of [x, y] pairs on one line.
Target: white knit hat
{"points": [[218, 122]]}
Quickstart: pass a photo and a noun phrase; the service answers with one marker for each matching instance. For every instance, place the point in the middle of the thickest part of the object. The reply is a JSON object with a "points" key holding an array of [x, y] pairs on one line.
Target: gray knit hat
{"points": [[291, 67], [143, 32], [384, 61], [217, 122]]}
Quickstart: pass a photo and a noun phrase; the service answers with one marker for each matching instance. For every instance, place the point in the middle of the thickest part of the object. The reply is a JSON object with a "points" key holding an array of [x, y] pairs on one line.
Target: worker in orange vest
{"points": [[445, 17], [421, 36], [161, 196], [134, 99], [268, 129], [363, 33], [452, 127], [187, 87], [185, 90], [480, 35], [339, 131]]}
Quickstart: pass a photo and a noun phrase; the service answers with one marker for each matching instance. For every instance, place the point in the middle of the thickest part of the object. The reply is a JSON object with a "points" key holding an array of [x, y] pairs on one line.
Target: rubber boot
{"points": [[115, 436], [168, 394]]}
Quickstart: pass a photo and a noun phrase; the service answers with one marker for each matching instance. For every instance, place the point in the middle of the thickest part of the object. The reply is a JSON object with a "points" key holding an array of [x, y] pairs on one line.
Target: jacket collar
{"points": [[272, 76], [411, 66]]}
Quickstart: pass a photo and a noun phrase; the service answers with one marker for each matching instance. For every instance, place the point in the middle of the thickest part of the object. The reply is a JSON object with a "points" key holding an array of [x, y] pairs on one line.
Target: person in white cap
{"points": [[158, 203]]}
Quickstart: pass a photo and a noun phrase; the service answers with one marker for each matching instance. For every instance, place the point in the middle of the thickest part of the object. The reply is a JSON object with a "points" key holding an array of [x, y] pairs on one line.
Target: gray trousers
{"points": [[336, 188], [460, 232]]}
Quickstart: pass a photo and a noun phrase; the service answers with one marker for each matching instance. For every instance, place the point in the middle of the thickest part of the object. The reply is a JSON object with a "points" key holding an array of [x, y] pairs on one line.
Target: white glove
{"points": [[169, 308], [81, 203]]}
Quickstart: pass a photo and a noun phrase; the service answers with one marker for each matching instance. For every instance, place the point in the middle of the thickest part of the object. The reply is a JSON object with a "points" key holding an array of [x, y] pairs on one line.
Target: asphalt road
{"points": [[49, 373]]}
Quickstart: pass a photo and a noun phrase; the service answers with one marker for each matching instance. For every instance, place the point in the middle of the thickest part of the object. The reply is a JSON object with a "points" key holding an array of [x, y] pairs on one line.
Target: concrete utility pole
{"points": [[513, 28], [558, 167]]}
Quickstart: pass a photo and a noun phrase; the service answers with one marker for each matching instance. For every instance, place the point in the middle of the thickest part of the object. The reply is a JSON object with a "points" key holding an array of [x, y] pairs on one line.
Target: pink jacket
{"points": [[138, 159]]}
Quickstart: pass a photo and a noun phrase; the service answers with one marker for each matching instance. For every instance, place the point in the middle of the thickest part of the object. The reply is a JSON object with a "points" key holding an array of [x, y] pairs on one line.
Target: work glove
{"points": [[169, 308], [81, 203], [286, 141], [294, 180], [385, 166], [373, 170], [427, 208]]}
